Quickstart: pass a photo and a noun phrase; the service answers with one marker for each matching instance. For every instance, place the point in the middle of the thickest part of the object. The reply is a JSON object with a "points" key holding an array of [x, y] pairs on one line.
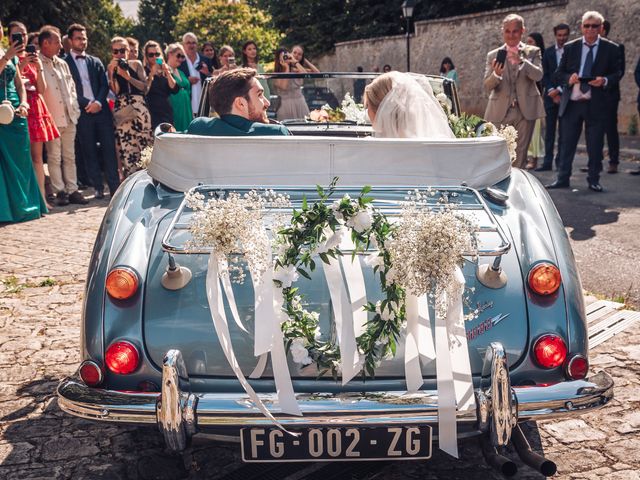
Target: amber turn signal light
{"points": [[122, 283], [544, 279]]}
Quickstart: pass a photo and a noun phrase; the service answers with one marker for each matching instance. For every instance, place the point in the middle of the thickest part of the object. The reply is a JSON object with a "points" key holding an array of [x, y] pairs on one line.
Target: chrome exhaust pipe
{"points": [[537, 462], [502, 464]]}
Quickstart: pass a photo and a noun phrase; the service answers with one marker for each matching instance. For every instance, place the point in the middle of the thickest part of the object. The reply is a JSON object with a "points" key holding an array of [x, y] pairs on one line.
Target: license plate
{"points": [[270, 444]]}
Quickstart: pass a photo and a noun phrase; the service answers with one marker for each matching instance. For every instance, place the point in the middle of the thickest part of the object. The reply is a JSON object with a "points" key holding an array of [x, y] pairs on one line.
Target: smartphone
{"points": [[232, 61], [31, 49], [501, 57], [16, 37], [159, 60]]}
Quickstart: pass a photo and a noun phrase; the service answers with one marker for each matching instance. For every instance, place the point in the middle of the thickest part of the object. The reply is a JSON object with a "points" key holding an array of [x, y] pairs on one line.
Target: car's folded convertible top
{"points": [[183, 161]]}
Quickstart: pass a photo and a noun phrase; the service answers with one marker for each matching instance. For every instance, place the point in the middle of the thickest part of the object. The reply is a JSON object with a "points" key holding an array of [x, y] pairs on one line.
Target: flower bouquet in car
{"points": [[348, 111]]}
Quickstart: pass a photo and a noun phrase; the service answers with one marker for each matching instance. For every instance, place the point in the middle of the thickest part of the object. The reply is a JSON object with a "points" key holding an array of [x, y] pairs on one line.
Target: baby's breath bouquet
{"points": [[234, 226]]}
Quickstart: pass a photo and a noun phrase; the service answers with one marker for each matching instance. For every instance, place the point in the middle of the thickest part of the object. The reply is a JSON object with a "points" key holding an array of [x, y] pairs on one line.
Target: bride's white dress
{"points": [[411, 110]]}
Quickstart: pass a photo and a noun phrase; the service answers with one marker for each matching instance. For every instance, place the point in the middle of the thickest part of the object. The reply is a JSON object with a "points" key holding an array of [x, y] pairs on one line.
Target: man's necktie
{"points": [[586, 71], [81, 57]]}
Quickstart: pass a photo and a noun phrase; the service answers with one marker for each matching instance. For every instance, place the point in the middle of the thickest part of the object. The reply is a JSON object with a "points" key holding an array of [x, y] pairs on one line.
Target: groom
{"points": [[514, 98], [238, 97]]}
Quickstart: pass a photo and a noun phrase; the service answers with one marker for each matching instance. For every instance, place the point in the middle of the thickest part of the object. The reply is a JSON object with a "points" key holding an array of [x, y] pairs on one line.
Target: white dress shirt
{"points": [[196, 88], [576, 93], [81, 63]]}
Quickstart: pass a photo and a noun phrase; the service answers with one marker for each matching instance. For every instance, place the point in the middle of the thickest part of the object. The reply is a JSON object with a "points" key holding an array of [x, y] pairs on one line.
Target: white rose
{"points": [[374, 260], [361, 221], [299, 353], [286, 275], [332, 242]]}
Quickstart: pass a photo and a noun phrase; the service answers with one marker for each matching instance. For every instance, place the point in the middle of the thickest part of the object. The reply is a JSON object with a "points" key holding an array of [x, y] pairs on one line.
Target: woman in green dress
{"points": [[20, 198], [181, 100]]}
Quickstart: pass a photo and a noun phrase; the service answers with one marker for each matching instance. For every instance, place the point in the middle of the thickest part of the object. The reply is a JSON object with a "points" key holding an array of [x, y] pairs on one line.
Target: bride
{"points": [[402, 105]]}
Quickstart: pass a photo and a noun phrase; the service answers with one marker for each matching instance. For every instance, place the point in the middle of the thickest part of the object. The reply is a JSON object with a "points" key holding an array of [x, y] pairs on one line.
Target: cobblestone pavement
{"points": [[43, 276]]}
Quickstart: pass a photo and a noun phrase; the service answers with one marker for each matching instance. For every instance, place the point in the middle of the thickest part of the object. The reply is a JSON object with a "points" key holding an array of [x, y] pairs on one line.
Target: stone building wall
{"points": [[467, 39]]}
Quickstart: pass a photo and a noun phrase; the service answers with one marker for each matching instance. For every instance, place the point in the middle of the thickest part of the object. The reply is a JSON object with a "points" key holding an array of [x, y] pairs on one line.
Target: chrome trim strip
{"points": [[211, 191], [235, 410]]}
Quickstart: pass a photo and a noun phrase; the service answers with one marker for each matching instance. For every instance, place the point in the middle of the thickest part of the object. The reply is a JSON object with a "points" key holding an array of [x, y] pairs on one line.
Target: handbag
{"points": [[7, 112], [124, 114]]}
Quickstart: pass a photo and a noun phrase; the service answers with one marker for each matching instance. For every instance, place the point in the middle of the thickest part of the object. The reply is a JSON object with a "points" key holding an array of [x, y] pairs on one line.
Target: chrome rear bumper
{"points": [[180, 414]]}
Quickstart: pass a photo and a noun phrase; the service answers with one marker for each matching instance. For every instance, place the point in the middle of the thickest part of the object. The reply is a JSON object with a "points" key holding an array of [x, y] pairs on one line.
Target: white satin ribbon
{"points": [[453, 368], [343, 318], [216, 305], [228, 291], [357, 293]]}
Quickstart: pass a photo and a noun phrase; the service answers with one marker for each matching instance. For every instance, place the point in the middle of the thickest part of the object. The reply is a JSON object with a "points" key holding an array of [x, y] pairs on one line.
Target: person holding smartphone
{"points": [[160, 84], [41, 126], [128, 82], [511, 75], [21, 199]]}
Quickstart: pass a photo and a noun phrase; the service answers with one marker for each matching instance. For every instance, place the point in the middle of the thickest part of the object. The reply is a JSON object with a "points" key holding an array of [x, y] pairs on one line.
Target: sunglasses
{"points": [[156, 54], [591, 25], [121, 51], [179, 55]]}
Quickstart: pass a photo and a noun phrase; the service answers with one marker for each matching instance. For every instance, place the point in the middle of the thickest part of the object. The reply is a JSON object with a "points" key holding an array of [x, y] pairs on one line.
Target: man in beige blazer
{"points": [[61, 100], [514, 98]]}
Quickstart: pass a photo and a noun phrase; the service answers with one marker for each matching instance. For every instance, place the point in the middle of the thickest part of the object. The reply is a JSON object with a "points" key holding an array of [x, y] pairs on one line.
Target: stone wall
{"points": [[467, 39]]}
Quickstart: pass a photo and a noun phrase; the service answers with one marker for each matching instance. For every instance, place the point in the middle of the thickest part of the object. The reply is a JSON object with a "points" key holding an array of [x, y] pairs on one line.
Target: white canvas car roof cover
{"points": [[184, 161]]}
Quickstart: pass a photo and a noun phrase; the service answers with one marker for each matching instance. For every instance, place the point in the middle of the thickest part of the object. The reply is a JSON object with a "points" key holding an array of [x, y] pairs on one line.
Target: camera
{"points": [[232, 61], [122, 64], [16, 37], [287, 56], [31, 49]]}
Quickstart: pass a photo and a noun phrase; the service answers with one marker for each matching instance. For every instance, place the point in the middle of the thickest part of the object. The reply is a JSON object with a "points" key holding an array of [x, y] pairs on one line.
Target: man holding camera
{"points": [[590, 68], [238, 98], [62, 102], [510, 80], [196, 68]]}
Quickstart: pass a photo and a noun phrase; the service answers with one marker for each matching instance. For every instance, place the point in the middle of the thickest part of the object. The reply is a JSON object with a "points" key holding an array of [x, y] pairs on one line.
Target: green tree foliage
{"points": [[102, 18], [319, 24], [156, 20], [223, 22]]}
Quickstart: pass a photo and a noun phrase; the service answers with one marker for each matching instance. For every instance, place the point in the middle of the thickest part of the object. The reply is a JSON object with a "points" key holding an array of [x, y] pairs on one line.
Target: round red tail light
{"points": [[122, 283], [578, 367], [122, 358], [550, 351], [91, 373], [544, 279]]}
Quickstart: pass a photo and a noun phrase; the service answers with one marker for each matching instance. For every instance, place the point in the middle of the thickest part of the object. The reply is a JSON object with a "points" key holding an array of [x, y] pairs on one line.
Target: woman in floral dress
{"points": [[41, 126], [133, 133]]}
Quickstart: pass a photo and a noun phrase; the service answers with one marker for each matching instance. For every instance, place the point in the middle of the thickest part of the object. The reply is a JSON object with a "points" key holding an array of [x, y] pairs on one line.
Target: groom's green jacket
{"points": [[233, 126]]}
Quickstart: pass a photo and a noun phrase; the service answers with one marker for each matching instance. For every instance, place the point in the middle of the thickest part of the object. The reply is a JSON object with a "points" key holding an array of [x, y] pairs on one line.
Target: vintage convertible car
{"points": [[151, 355]]}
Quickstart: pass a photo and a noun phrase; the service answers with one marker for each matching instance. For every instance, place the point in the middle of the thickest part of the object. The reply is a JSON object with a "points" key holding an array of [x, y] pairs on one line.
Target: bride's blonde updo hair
{"points": [[377, 90]]}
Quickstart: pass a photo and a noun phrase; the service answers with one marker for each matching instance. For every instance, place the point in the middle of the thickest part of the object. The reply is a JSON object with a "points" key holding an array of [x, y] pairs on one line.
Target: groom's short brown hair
{"points": [[229, 86]]}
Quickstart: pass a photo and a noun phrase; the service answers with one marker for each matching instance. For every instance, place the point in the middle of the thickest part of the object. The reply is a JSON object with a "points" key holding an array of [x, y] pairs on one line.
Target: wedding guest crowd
{"points": [[90, 122]]}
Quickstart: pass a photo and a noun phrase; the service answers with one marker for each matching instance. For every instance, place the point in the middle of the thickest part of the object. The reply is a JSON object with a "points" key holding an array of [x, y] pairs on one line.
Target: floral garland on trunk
{"points": [[419, 254]]}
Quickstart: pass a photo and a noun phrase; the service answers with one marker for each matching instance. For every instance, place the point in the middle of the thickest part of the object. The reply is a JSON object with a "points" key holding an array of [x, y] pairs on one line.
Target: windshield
{"points": [[325, 98]]}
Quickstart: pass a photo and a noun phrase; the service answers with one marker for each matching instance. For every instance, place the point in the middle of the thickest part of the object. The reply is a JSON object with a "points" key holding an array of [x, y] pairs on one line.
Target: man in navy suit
{"points": [[590, 69], [552, 95], [96, 122]]}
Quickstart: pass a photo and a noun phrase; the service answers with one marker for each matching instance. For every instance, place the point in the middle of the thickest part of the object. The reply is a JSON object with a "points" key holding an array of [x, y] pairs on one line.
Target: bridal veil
{"points": [[410, 109]]}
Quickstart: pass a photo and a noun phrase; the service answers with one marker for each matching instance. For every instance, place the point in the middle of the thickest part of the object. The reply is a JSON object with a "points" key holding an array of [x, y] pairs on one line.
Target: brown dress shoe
{"points": [[612, 168], [531, 165]]}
